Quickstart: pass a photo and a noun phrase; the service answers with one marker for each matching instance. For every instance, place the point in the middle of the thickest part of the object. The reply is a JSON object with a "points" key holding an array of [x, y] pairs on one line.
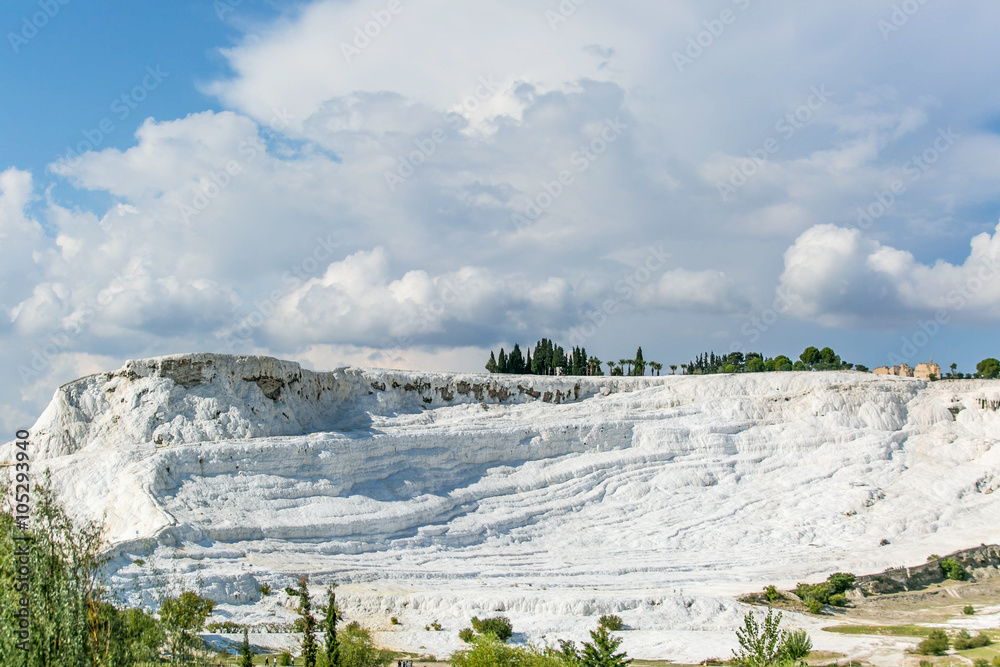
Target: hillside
{"points": [[439, 496]]}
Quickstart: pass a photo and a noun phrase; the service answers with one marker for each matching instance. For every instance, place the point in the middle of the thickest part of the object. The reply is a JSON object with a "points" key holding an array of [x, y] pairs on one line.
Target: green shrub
{"points": [[838, 600], [795, 645], [467, 635], [969, 610], [394, 621], [935, 644], [285, 658], [611, 622], [964, 641], [291, 592], [265, 589], [840, 582], [815, 606], [980, 662], [140, 562], [498, 626], [772, 594], [953, 569]]}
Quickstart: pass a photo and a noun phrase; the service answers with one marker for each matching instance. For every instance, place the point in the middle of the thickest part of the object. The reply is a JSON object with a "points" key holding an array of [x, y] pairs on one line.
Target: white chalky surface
{"points": [[658, 499]]}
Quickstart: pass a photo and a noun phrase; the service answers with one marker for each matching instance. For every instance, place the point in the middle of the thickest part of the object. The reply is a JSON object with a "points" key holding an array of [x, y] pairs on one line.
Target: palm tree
{"points": [[593, 366], [656, 366], [673, 367], [622, 362], [611, 368]]}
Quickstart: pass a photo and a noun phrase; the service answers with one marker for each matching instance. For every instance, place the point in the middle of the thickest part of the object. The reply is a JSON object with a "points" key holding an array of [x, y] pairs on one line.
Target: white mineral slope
{"points": [[554, 500]]}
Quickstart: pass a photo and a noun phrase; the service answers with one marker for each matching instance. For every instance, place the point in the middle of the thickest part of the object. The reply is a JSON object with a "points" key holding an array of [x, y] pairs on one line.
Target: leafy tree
{"points": [[953, 569], [760, 645], [491, 365], [331, 648], [988, 368], [357, 649], [183, 618], [246, 655], [611, 368], [502, 362], [600, 652], [640, 363], [673, 368], [810, 356], [309, 647]]}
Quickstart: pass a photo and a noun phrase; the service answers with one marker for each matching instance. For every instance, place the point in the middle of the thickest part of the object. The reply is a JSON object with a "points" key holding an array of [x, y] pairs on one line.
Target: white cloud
{"points": [[839, 277]]}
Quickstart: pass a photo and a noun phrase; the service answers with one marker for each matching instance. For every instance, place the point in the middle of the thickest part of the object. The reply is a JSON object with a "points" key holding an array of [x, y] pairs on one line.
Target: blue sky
{"points": [[412, 184]]}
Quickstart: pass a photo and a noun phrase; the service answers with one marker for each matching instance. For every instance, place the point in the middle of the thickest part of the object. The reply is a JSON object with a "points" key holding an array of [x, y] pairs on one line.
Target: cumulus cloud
{"points": [[839, 277]]}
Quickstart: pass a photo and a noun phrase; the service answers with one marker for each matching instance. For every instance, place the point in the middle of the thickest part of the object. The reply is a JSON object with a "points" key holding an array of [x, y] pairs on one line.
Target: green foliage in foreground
{"points": [[765, 645], [355, 648], [72, 621], [488, 651]]}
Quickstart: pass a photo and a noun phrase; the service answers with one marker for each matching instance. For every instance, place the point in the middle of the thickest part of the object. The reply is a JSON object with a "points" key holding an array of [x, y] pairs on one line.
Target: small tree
{"points": [[760, 645], [246, 655], [953, 569], [611, 622], [331, 649], [600, 652], [309, 648], [498, 626], [935, 644], [184, 617]]}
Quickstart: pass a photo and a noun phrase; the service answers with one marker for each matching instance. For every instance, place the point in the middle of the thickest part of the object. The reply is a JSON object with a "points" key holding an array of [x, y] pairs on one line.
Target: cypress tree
{"points": [[331, 652], [516, 361], [491, 365], [308, 626], [246, 655]]}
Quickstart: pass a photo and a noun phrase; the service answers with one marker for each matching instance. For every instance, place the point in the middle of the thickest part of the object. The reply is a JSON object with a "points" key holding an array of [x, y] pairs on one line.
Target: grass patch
{"points": [[881, 630], [988, 652]]}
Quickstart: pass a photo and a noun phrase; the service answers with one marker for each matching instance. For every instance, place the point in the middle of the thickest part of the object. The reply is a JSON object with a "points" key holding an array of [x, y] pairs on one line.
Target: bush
{"points": [[357, 649], [981, 662], [953, 569], [795, 645], [964, 641], [772, 594], [969, 610], [498, 626], [290, 592], [285, 658], [611, 622], [838, 600], [935, 644], [265, 589], [815, 606], [467, 635], [840, 582], [394, 621]]}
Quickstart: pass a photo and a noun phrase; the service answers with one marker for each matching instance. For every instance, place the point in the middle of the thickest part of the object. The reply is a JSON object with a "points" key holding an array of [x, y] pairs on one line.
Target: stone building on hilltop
{"points": [[926, 371]]}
